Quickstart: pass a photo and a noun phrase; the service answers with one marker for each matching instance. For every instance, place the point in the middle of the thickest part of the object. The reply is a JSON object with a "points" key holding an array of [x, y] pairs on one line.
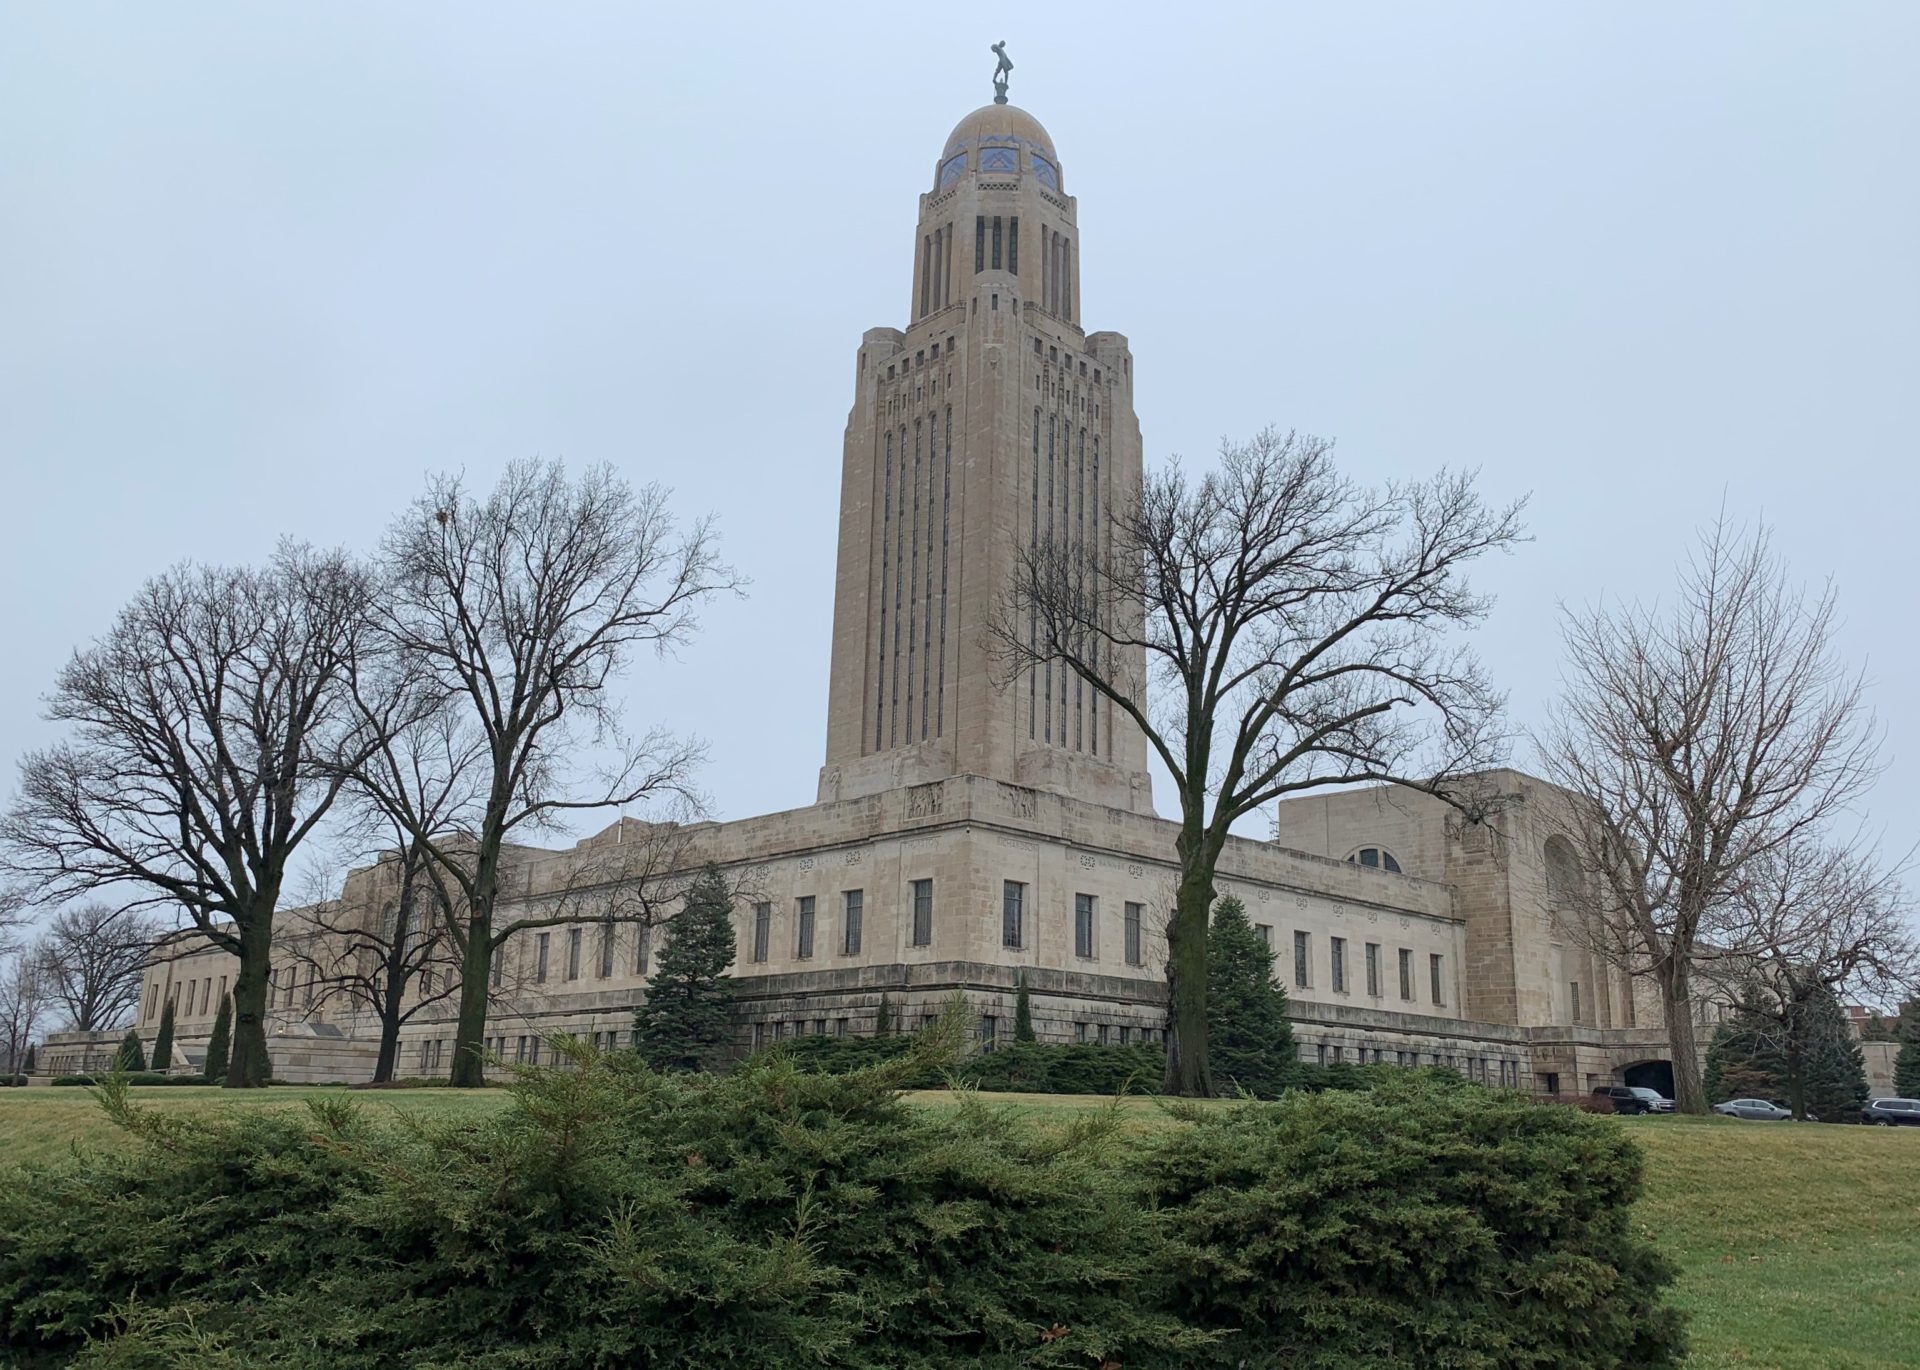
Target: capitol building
{"points": [[969, 833]]}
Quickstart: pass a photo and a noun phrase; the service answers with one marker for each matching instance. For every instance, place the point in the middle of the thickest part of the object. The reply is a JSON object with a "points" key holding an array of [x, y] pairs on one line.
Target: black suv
{"points": [[1635, 1099], [1891, 1112]]}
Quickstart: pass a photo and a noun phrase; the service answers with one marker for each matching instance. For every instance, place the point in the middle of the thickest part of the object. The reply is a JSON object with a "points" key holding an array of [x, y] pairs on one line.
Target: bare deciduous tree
{"points": [[92, 956], [420, 768], [23, 1005], [1294, 626], [517, 611], [1704, 738], [1813, 918], [206, 738]]}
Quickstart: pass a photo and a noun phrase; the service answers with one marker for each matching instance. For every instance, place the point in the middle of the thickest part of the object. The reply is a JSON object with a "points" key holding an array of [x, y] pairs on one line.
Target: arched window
{"points": [[1377, 857], [1563, 871]]}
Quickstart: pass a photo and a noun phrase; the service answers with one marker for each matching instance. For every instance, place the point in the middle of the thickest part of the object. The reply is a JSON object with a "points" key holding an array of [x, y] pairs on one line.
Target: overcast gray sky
{"points": [[263, 266]]}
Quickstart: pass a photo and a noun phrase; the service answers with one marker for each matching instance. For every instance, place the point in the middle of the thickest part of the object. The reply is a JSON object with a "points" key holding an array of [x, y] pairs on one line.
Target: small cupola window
{"points": [[953, 170], [999, 159], [1377, 857]]}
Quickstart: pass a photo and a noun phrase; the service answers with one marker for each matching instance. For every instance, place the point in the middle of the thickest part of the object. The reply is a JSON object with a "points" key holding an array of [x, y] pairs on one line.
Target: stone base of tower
{"points": [[908, 769]]}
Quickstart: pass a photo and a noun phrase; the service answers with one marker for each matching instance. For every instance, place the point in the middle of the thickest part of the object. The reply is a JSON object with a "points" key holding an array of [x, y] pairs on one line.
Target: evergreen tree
{"points": [[30, 1064], [1022, 1013], [1249, 1037], [221, 1042], [163, 1042], [686, 1021], [883, 1018], [1825, 1062], [1746, 1059], [1906, 1062], [130, 1057]]}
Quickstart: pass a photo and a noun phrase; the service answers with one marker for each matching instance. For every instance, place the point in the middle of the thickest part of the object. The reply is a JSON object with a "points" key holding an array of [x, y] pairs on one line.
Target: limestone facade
{"points": [[972, 830]]}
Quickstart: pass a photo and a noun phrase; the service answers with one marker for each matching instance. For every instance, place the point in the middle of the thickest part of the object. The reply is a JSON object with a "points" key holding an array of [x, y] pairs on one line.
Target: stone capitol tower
{"points": [[977, 836], [992, 422]]}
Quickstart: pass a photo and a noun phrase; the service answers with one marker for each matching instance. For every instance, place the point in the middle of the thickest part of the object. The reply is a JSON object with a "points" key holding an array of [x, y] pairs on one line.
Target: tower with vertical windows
{"points": [[993, 420]]}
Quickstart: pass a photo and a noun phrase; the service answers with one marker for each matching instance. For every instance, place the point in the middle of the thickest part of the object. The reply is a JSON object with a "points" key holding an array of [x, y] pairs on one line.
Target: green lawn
{"points": [[1799, 1244]]}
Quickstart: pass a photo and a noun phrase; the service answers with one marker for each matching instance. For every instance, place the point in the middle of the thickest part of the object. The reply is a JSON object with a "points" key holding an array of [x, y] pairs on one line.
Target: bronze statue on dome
{"points": [[1000, 72]]}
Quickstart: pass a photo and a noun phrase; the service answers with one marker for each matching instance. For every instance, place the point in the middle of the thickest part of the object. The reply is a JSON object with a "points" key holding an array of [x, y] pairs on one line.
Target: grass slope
{"points": [[1799, 1245]]}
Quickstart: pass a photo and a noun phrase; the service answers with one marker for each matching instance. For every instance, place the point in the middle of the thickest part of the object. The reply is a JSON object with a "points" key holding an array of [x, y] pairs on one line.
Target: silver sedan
{"points": [[1757, 1109]]}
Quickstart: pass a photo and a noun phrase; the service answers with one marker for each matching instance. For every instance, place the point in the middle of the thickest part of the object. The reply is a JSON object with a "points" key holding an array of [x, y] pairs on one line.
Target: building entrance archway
{"points": [[1654, 1075]]}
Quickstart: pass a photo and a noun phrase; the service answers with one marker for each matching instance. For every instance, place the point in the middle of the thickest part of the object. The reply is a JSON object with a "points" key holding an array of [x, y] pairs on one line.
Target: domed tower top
{"points": [[998, 123]]}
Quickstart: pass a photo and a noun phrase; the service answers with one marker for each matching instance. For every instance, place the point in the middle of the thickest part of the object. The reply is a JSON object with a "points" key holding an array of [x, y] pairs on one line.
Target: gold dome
{"points": [[999, 121]]}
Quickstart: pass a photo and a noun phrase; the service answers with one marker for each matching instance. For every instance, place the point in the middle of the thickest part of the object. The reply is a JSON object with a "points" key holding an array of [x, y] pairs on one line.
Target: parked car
{"points": [[1891, 1112], [1756, 1110], [1634, 1099]]}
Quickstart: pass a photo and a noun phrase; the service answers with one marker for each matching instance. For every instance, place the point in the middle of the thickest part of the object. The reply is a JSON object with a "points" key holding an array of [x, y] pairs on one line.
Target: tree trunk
{"points": [[248, 1067], [1794, 1020], [393, 980], [1676, 998], [1188, 1072], [383, 1063], [469, 1065]]}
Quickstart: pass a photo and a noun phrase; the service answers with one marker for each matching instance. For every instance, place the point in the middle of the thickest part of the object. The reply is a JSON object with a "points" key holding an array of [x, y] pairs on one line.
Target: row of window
{"points": [[1014, 930], [1338, 970], [1487, 1070], [999, 161], [604, 958], [197, 990]]}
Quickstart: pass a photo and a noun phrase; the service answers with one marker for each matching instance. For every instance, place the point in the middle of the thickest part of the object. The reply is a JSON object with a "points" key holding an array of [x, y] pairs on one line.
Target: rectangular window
{"points": [[1013, 245], [499, 964], [979, 243], [1550, 1081], [1083, 925], [1301, 948], [762, 928], [606, 951], [1338, 948], [1013, 899], [1320, 1054], [1433, 972], [839, 1027], [308, 1001], [1103, 1034], [223, 989], [1080, 1032], [759, 1036], [923, 913], [1133, 933], [996, 242], [853, 912], [540, 959], [989, 1025], [1373, 969], [642, 948], [1406, 974], [426, 984], [1264, 931], [573, 953], [153, 994], [803, 926], [1574, 986], [520, 1049], [533, 1051]]}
